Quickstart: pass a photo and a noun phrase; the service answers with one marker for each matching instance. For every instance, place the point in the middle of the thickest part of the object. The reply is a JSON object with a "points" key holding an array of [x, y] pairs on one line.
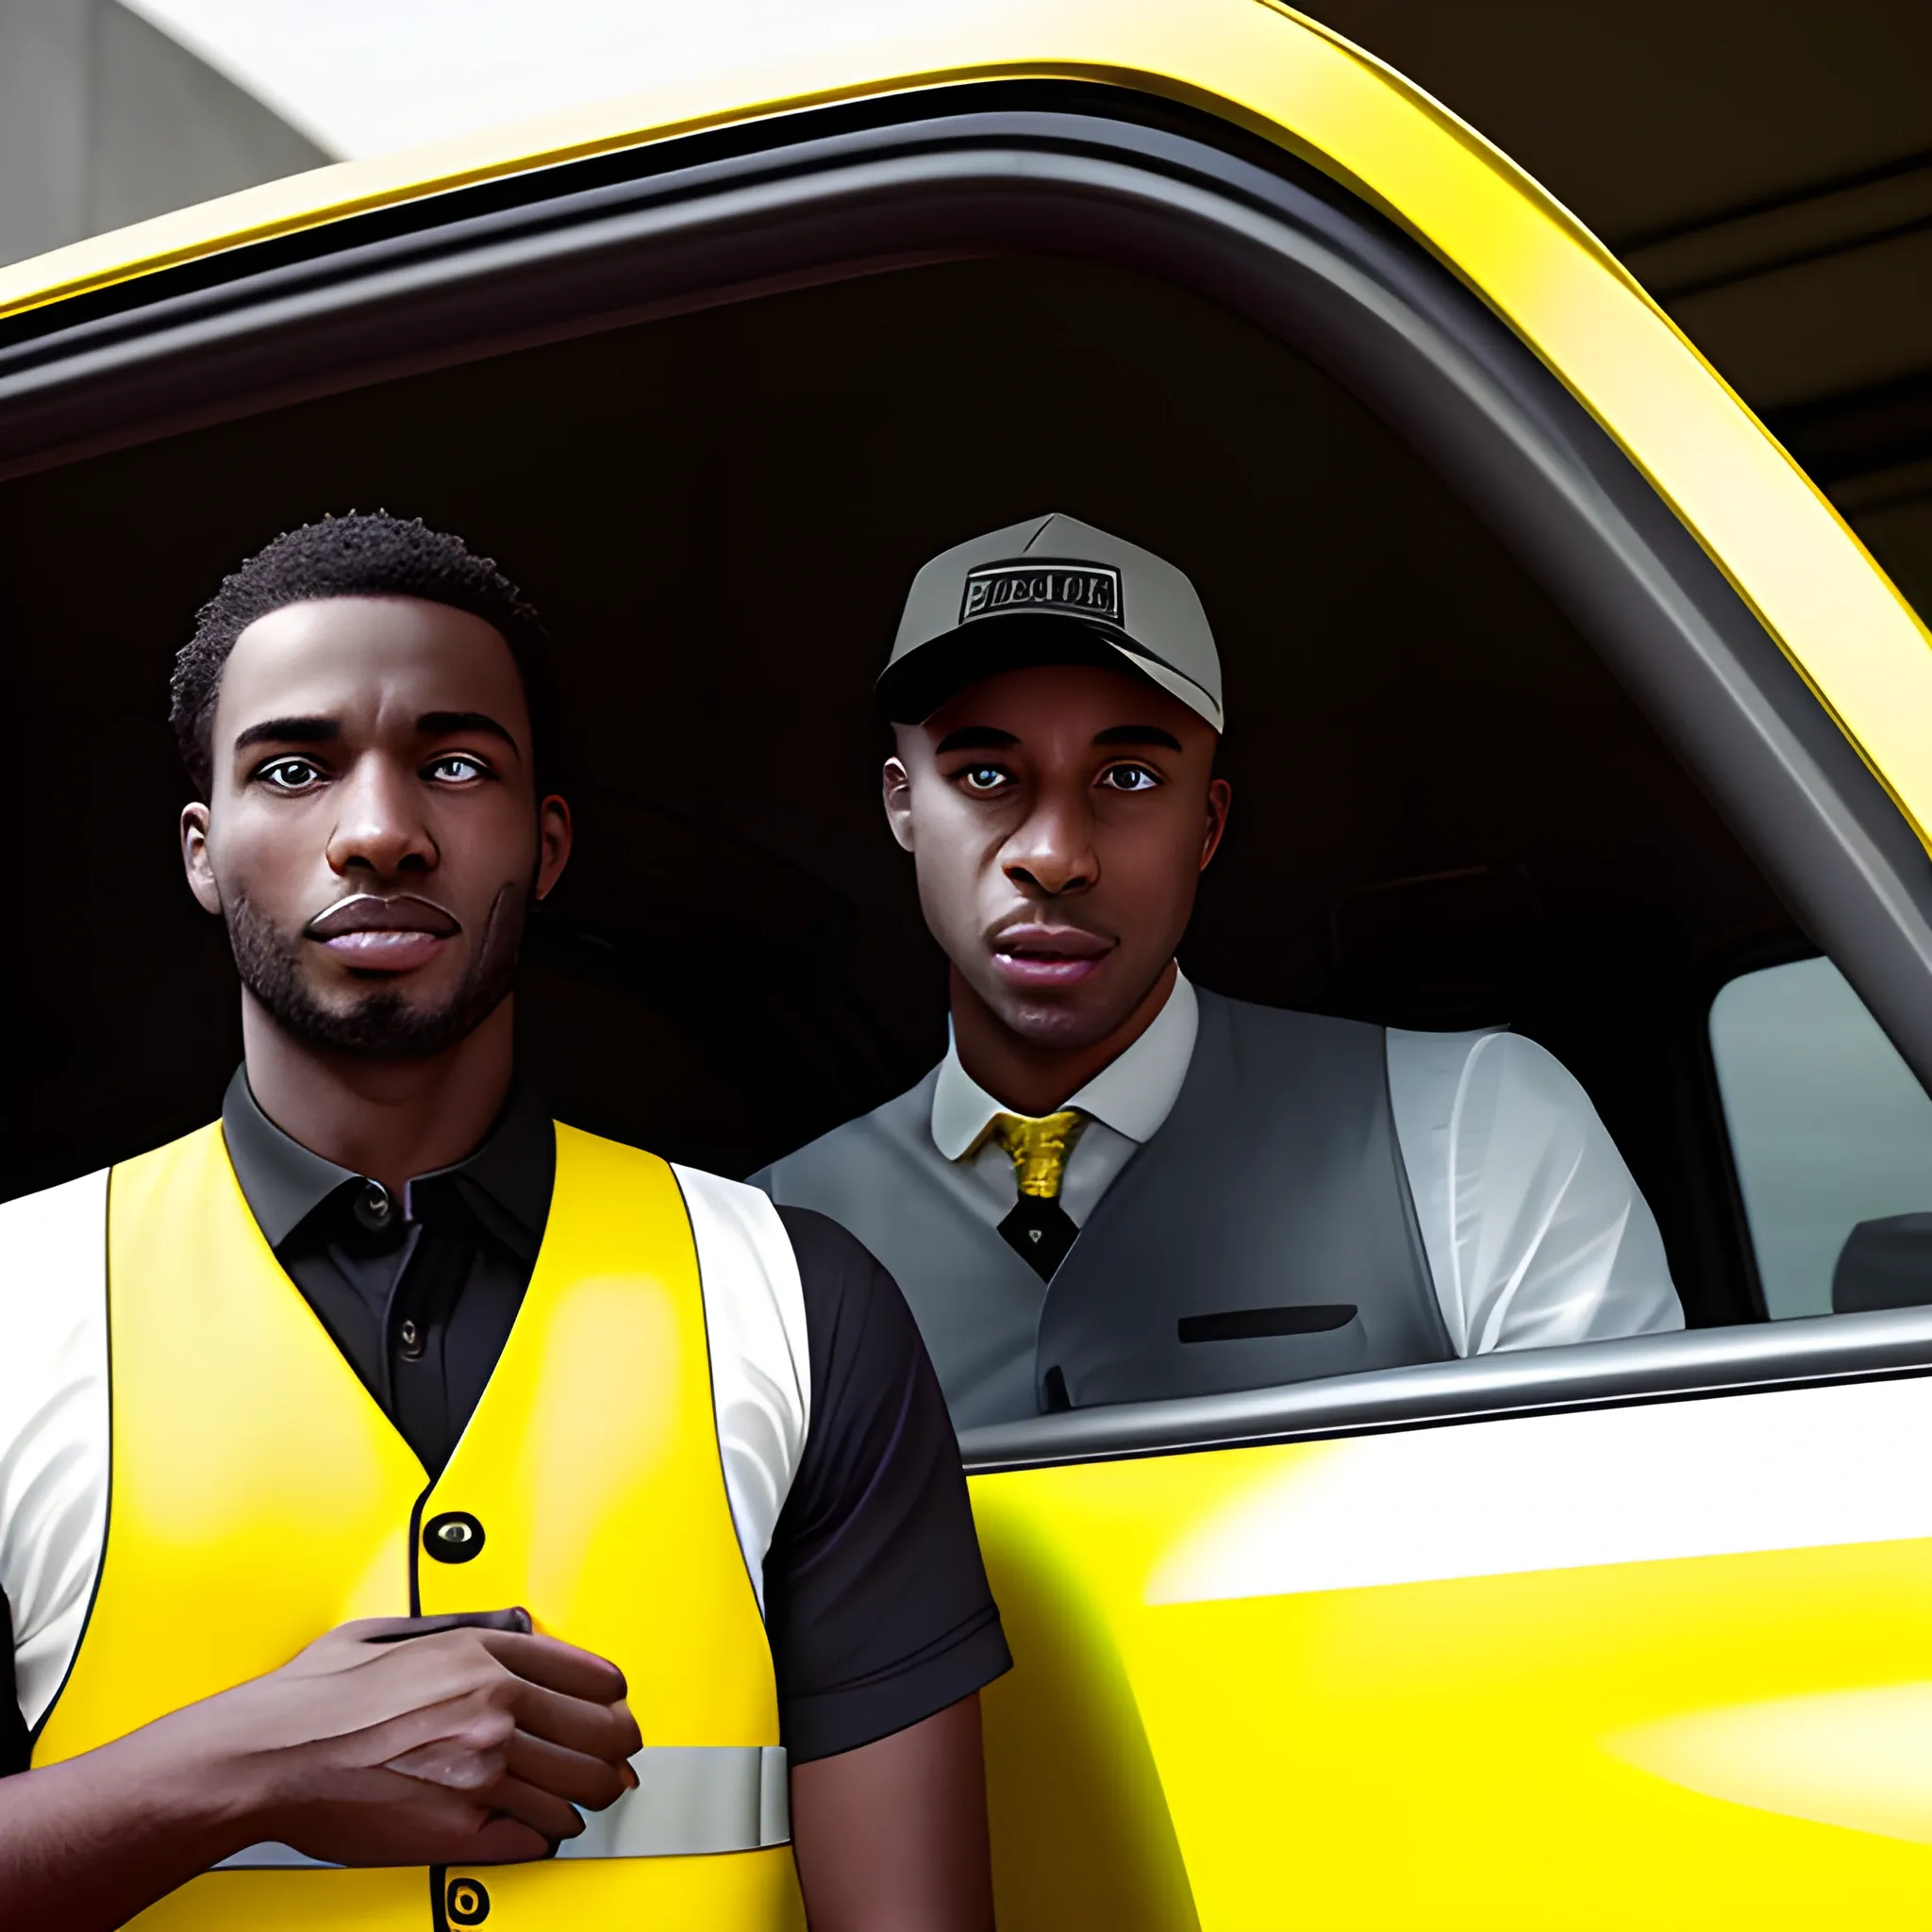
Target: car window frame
{"points": [[1888, 1345], [1095, 171]]}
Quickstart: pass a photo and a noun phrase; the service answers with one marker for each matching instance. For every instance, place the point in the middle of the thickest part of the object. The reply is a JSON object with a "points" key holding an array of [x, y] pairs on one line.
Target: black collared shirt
{"points": [[418, 1289], [876, 1604]]}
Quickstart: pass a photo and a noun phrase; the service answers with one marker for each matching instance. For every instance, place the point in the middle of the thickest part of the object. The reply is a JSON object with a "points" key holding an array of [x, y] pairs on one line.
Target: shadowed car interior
{"points": [[1447, 811]]}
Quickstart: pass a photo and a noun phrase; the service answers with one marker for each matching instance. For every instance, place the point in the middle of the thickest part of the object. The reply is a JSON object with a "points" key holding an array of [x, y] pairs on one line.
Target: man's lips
{"points": [[1047, 956], [375, 933]]}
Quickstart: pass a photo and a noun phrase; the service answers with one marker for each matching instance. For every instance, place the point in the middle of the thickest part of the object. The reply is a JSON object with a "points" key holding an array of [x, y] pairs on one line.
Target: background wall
{"points": [[105, 120], [1764, 167]]}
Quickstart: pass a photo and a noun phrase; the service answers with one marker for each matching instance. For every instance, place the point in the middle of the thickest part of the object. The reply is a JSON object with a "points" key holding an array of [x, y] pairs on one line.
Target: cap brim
{"points": [[913, 687]]}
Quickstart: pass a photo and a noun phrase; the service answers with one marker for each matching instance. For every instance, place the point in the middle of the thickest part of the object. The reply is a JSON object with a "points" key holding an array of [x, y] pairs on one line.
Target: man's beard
{"points": [[380, 1025]]}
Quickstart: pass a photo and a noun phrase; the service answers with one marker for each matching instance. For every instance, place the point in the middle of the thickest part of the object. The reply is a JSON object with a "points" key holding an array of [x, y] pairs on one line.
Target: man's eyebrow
{"points": [[289, 731], [976, 737], [455, 724], [1137, 734]]}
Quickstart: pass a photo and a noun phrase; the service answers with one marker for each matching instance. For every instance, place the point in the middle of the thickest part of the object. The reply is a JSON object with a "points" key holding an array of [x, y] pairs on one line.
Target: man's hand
{"points": [[406, 1740], [424, 1740]]}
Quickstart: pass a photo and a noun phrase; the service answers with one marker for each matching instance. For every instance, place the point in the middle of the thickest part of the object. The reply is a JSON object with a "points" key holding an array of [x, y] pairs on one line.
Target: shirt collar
{"points": [[1133, 1093], [505, 1182]]}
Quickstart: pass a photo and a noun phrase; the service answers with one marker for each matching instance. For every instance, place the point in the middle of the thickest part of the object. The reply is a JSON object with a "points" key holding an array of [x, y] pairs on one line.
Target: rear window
{"points": [[1831, 1136]]}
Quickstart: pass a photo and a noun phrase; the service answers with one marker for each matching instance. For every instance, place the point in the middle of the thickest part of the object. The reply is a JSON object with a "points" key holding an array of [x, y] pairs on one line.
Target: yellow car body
{"points": [[1625, 1645]]}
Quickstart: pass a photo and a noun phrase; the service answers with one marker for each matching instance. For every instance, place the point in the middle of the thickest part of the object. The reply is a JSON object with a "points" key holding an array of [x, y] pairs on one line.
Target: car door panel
{"points": [[1657, 1664]]}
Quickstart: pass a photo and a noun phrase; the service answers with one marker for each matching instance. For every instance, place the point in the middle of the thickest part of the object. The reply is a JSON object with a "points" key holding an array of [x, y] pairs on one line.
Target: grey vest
{"points": [[1264, 1235]]}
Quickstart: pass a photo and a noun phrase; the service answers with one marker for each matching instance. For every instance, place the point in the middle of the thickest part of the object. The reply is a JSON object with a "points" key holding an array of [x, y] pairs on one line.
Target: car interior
{"points": [[1448, 811]]}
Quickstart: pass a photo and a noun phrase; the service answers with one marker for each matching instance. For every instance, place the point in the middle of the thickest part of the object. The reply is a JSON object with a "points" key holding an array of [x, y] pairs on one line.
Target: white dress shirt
{"points": [[1534, 1229]]}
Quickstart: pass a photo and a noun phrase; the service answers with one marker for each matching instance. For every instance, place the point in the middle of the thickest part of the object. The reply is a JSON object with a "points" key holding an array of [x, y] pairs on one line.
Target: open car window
{"points": [[1508, 747]]}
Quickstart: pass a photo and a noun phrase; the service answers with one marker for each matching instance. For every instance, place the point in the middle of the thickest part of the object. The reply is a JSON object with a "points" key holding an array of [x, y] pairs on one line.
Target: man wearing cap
{"points": [[1117, 1186]]}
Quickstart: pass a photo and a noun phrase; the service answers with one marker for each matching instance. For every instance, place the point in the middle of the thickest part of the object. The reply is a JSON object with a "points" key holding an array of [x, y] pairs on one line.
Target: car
{"points": [[1561, 699]]}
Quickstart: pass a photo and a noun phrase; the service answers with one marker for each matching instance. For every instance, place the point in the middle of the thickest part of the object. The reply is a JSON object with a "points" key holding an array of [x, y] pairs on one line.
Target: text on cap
{"points": [[1080, 590]]}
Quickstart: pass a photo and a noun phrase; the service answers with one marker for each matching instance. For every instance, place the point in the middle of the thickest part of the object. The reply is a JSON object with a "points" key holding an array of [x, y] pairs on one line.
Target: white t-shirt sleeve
{"points": [[1534, 1229], [760, 1363], [54, 1424]]}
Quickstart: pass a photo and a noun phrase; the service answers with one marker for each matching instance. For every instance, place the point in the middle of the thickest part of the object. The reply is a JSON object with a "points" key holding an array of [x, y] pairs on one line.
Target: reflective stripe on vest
{"points": [[258, 1497], [691, 1799]]}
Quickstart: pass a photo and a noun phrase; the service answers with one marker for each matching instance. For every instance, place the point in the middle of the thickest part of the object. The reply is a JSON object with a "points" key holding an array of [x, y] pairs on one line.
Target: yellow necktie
{"points": [[1038, 1148]]}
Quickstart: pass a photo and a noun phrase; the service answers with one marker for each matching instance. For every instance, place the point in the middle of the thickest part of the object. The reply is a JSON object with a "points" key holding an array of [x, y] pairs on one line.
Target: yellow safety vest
{"points": [[259, 1497]]}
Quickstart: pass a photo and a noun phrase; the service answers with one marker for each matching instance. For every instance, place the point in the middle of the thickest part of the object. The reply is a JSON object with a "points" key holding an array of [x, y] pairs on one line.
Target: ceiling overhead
{"points": [[1764, 168]]}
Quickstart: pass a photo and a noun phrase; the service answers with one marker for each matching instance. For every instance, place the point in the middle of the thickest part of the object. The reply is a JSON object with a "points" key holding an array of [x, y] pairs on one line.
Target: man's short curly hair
{"points": [[354, 555]]}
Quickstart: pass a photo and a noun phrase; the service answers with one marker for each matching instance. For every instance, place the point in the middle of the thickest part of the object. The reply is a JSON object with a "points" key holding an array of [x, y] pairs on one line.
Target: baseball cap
{"points": [[1050, 590]]}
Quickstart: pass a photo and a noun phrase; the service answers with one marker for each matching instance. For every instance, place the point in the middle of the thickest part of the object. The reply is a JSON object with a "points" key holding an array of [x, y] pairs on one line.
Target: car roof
{"points": [[1251, 62], [1275, 73]]}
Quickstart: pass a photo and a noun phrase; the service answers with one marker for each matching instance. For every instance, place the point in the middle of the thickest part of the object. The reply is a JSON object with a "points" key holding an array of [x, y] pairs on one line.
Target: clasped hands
{"points": [[411, 1741]]}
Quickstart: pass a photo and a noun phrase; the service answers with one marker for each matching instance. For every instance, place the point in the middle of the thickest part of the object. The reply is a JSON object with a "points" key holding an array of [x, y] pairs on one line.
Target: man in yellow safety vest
{"points": [[412, 1511]]}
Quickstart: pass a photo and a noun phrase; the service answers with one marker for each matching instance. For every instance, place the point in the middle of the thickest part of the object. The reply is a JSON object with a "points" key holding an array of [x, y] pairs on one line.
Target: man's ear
{"points": [[194, 859], [1220, 797], [896, 790], [553, 843]]}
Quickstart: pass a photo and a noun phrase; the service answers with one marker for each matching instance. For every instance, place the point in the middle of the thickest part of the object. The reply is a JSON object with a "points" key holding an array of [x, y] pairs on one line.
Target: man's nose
{"points": [[380, 825], [1052, 854]]}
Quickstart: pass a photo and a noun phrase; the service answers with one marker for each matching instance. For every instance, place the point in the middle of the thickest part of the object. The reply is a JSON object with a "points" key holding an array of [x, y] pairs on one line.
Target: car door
{"points": [[1631, 1633], [1587, 1659]]}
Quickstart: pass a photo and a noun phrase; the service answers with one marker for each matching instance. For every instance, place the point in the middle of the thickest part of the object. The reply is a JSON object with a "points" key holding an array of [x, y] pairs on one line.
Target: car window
{"points": [[1456, 749], [1831, 1136]]}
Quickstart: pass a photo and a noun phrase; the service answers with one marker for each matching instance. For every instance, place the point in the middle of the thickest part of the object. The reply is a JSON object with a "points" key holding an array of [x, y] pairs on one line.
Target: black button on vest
{"points": [[465, 1901], [454, 1537]]}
